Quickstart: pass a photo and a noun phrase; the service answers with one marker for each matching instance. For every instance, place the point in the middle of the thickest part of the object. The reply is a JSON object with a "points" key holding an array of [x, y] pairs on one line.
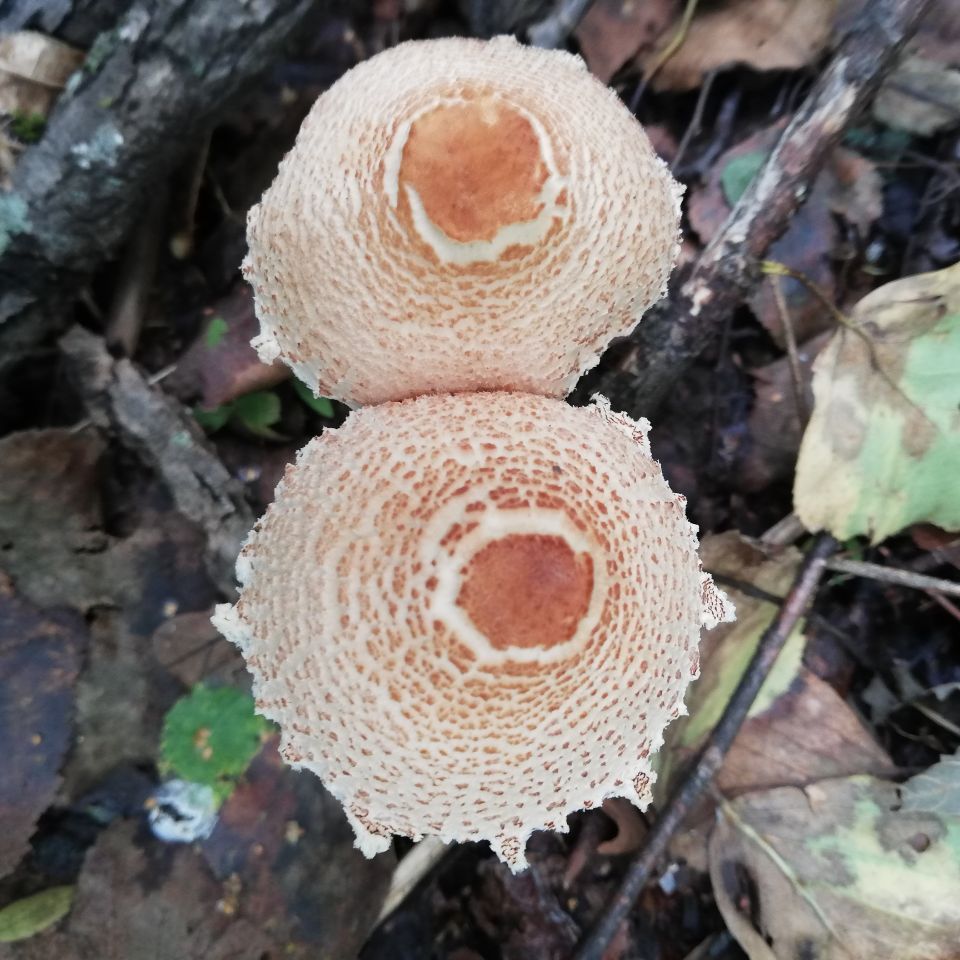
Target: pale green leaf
{"points": [[936, 790], [838, 871], [29, 916], [882, 448]]}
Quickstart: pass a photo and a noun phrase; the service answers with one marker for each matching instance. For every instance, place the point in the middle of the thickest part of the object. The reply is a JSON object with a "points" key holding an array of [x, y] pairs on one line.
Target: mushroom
{"points": [[460, 215], [473, 615]]}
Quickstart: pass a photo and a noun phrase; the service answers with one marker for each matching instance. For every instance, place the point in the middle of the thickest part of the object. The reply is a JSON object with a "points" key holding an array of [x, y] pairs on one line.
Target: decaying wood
{"points": [[146, 92], [673, 334], [165, 435]]}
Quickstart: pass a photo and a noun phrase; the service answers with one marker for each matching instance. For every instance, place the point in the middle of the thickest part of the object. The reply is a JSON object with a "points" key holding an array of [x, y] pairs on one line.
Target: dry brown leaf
{"points": [[774, 745], [189, 646], [137, 902], [40, 655], [615, 31], [220, 365], [774, 427], [762, 34], [920, 96], [837, 871], [33, 70]]}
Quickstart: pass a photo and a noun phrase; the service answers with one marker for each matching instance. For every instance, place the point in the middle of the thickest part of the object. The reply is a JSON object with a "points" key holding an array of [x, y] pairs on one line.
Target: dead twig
{"points": [[793, 356], [902, 578], [156, 426], [674, 334], [699, 776], [137, 271]]}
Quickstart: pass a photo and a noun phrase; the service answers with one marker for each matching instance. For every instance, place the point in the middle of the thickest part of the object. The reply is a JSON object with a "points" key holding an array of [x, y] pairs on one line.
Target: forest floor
{"points": [[832, 829]]}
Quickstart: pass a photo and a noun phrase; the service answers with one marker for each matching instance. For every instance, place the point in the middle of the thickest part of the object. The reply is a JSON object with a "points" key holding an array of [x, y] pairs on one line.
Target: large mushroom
{"points": [[472, 615], [460, 215]]}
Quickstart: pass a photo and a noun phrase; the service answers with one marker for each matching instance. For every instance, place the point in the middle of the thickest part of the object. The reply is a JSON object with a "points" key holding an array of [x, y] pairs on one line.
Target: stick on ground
{"points": [[675, 333], [701, 773]]}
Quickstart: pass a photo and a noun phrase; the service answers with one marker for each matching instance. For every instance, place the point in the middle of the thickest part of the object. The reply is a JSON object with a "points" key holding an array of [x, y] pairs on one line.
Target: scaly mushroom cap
{"points": [[473, 615], [460, 215]]}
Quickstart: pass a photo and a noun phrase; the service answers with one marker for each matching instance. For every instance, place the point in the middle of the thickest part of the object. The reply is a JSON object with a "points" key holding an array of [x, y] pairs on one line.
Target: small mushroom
{"points": [[460, 215], [472, 615]]}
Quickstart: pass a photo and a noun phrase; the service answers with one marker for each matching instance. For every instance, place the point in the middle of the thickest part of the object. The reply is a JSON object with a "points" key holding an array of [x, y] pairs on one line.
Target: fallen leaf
{"points": [[192, 649], [40, 656], [774, 428], [613, 32], [837, 871], [762, 34], [33, 70], [288, 843], [936, 790], [920, 96], [938, 33], [148, 902], [220, 365], [50, 516], [24, 918], [880, 450], [774, 746]]}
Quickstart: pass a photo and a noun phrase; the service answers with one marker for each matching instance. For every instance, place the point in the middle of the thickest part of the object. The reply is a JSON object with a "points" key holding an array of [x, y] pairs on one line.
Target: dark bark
{"points": [[77, 22], [673, 334], [146, 92]]}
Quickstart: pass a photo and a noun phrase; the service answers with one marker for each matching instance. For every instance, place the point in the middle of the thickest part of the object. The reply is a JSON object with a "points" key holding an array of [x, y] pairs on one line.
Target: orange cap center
{"points": [[476, 167], [526, 590]]}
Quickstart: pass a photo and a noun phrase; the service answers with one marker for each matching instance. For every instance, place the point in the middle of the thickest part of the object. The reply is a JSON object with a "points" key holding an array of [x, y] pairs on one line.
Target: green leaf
{"points": [[213, 418], [320, 405], [738, 173], [216, 330], [258, 412], [210, 736], [26, 917], [880, 451], [936, 790]]}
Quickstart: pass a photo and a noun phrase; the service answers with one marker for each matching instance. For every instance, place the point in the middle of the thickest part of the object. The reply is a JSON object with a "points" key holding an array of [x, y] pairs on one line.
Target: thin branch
{"points": [[902, 578], [674, 334], [701, 773]]}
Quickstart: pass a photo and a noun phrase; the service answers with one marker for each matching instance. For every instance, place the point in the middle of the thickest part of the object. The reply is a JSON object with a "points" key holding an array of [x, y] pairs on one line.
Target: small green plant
{"points": [[27, 127], [255, 412], [210, 736]]}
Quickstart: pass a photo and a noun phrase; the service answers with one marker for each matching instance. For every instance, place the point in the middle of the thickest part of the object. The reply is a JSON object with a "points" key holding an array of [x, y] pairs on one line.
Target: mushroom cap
{"points": [[460, 215], [472, 615]]}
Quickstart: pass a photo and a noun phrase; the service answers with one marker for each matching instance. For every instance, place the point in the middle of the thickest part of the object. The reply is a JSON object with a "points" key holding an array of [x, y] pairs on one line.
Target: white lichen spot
{"points": [[101, 149], [183, 812]]}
